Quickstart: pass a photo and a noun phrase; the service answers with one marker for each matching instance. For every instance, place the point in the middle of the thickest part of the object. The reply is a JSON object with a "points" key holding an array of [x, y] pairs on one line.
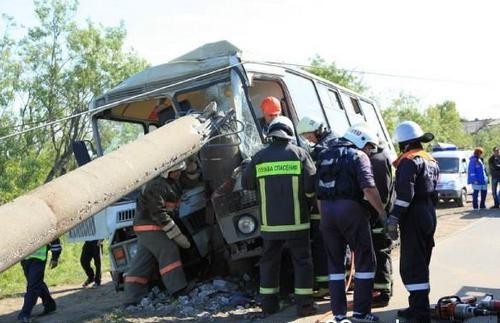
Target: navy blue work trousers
{"points": [[34, 271]]}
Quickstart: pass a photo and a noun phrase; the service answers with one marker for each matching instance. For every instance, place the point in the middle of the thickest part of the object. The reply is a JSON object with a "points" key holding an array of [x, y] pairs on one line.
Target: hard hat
{"points": [[271, 105], [308, 124], [281, 127], [176, 167], [361, 134], [408, 131]]}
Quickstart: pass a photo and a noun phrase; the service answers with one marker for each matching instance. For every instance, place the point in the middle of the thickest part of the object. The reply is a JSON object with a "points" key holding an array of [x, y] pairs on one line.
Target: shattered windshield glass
{"points": [[250, 138]]}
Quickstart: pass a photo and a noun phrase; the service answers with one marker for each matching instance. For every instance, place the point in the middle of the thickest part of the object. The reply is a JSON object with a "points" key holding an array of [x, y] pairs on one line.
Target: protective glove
{"points": [[391, 227], [174, 233], [182, 241], [53, 264], [244, 163]]}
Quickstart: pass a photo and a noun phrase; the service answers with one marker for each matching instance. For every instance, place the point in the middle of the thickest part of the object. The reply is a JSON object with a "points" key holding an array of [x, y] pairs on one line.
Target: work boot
{"points": [[306, 310], [87, 282], [368, 317], [321, 292], [381, 299], [406, 313], [24, 319], [49, 307], [340, 319], [270, 304]]}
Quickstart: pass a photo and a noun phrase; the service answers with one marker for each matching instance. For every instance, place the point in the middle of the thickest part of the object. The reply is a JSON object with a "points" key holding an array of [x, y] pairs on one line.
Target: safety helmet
{"points": [[271, 105], [281, 127], [308, 124], [361, 134], [176, 167], [409, 131]]}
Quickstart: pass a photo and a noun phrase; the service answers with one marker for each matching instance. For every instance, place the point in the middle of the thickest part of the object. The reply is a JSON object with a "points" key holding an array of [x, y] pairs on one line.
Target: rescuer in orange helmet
{"points": [[271, 108]]}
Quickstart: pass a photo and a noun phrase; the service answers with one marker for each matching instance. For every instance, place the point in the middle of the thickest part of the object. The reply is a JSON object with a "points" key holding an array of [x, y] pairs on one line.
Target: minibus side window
{"points": [[337, 118], [352, 108], [304, 97], [373, 120]]}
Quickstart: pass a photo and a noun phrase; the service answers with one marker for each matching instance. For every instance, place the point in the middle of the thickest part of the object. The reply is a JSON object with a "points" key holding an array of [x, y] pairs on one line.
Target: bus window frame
{"points": [[342, 109], [289, 97]]}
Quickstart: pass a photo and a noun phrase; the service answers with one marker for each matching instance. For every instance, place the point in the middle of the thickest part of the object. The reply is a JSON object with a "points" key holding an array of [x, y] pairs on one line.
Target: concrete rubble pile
{"points": [[210, 299]]}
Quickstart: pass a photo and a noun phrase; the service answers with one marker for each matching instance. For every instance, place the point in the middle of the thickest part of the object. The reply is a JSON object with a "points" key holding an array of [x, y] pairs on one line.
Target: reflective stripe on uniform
{"points": [[136, 279], [336, 276], [263, 202], [269, 291], [414, 287], [378, 230], [364, 275], [147, 227], [40, 253], [287, 167], [321, 279], [172, 205], [330, 184], [316, 216], [170, 267], [296, 202], [402, 203], [303, 291], [265, 227], [381, 286], [284, 228], [326, 162]]}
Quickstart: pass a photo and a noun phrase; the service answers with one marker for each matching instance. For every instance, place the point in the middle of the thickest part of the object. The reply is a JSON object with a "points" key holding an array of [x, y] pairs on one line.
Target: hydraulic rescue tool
{"points": [[456, 309]]}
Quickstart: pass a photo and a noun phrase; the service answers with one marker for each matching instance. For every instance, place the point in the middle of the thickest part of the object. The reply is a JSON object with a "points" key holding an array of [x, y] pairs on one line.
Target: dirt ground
{"points": [[77, 304]]}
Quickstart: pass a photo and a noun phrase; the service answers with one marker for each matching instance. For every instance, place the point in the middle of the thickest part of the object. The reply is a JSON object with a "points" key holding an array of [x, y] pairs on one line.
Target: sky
{"points": [[434, 50]]}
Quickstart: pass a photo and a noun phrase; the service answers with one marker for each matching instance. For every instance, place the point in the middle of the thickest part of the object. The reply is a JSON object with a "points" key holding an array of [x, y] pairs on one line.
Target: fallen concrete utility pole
{"points": [[40, 216]]}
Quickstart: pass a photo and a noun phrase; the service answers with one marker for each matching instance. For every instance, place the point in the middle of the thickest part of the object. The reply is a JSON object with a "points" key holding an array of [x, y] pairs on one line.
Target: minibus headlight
{"points": [[247, 224]]}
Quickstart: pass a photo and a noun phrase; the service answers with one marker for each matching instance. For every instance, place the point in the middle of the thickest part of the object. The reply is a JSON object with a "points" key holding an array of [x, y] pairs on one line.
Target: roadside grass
{"points": [[69, 271]]}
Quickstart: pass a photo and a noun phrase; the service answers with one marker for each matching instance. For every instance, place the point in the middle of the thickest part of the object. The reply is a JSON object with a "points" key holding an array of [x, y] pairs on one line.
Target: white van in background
{"points": [[453, 166]]}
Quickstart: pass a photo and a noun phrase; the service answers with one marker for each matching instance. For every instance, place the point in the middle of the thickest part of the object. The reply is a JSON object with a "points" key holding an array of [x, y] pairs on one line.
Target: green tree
{"points": [[331, 72], [53, 72], [443, 120], [404, 107], [65, 67], [10, 149], [487, 138]]}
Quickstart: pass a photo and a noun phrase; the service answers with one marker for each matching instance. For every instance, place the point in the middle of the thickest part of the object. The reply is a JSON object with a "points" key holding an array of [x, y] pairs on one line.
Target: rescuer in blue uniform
{"points": [[344, 183], [414, 210], [34, 271], [283, 175], [319, 138]]}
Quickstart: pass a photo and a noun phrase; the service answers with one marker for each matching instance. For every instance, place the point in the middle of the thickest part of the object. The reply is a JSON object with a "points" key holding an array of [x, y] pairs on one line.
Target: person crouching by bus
{"points": [[158, 237], [344, 182], [319, 138], [34, 271], [283, 175]]}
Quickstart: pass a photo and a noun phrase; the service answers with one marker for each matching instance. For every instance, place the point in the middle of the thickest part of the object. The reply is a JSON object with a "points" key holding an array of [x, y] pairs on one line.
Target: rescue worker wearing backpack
{"points": [[319, 138], [344, 181], [158, 237], [415, 212], [283, 175]]}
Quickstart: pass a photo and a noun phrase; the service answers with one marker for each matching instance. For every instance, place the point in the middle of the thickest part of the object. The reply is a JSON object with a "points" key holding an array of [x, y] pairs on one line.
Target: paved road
{"points": [[466, 261]]}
